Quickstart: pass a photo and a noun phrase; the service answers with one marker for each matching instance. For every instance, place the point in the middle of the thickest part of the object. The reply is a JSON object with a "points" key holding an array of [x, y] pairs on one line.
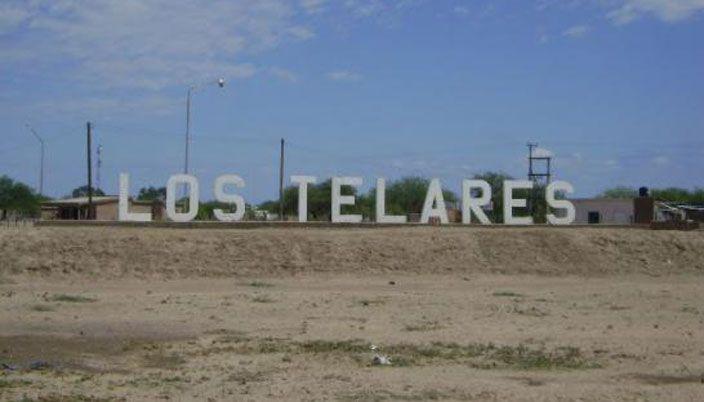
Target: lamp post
{"points": [[41, 163], [191, 89]]}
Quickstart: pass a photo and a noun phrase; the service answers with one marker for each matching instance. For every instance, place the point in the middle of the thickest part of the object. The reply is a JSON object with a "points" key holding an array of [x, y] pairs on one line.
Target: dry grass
{"points": [[66, 298], [13, 383], [484, 356], [423, 326], [163, 361], [260, 284], [664, 379], [42, 308], [507, 293], [262, 299]]}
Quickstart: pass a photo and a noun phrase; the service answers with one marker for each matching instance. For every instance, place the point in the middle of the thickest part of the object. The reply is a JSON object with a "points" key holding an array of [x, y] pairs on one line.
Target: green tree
{"points": [[674, 194], [205, 210], [319, 196], [151, 193], [536, 205], [619, 192], [17, 197], [681, 195], [496, 182], [402, 196], [82, 191]]}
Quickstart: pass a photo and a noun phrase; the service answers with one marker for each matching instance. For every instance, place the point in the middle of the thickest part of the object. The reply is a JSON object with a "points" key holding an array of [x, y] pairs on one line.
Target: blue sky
{"points": [[614, 89]]}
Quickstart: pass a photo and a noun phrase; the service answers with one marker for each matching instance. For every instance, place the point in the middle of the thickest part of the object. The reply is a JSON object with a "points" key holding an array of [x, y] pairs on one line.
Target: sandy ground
{"points": [[462, 331]]}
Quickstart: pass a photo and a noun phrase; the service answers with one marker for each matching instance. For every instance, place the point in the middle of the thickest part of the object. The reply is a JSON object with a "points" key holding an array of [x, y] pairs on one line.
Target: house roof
{"points": [[79, 201], [82, 201], [684, 206]]}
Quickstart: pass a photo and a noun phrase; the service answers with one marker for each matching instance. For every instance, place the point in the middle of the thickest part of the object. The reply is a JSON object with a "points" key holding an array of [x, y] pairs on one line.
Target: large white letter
{"points": [[510, 203], [171, 186], [434, 195], [471, 204], [560, 204], [302, 182], [381, 216], [236, 199], [123, 209], [338, 200]]}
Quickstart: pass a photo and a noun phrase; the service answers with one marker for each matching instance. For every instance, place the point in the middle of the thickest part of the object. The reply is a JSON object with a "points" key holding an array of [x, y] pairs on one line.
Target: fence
{"points": [[18, 223]]}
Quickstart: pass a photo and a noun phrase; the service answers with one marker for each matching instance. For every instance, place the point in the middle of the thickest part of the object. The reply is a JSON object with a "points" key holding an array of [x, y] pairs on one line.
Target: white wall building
{"points": [[606, 211]]}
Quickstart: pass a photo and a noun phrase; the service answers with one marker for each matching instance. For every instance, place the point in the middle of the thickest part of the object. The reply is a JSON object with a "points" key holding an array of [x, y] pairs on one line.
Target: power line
{"points": [[41, 158]]}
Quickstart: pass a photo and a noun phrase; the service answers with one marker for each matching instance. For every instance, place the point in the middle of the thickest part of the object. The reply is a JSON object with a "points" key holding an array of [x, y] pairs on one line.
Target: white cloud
{"points": [[611, 163], [576, 31], [344, 75], [313, 6], [461, 10], [364, 8], [621, 12], [107, 107], [574, 160], [398, 164], [371, 8], [661, 160], [301, 33], [542, 153], [283, 74], [147, 45], [11, 17], [665, 10]]}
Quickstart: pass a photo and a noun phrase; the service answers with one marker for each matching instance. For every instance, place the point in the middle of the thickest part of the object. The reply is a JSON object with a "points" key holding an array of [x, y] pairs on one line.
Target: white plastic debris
{"points": [[381, 360], [378, 359]]}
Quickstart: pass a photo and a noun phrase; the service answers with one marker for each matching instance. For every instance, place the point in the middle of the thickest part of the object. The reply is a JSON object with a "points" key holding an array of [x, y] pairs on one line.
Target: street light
{"points": [[41, 163], [191, 89]]}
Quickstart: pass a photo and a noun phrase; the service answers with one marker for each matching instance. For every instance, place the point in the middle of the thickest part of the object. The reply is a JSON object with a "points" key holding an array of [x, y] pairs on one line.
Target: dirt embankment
{"points": [[110, 252]]}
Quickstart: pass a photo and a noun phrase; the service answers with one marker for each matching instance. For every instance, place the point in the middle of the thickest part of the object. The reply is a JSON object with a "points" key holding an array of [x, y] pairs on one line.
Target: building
{"points": [[673, 211], [608, 211], [105, 208], [693, 212]]}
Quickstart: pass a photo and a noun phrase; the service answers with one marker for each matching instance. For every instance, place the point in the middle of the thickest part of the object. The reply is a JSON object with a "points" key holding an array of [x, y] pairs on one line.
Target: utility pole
{"points": [[191, 89], [281, 182], [531, 198], [531, 146], [98, 166], [90, 173], [537, 178], [41, 160], [532, 175]]}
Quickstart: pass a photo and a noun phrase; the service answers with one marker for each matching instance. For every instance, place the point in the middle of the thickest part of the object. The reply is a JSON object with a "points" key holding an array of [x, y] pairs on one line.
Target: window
{"points": [[593, 217]]}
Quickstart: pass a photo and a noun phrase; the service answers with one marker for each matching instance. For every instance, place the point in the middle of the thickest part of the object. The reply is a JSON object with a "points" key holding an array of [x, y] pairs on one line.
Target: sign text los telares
{"points": [[434, 205]]}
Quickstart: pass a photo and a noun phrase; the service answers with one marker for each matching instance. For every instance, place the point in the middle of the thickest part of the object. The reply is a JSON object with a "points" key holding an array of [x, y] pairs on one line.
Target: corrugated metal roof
{"points": [[600, 199]]}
